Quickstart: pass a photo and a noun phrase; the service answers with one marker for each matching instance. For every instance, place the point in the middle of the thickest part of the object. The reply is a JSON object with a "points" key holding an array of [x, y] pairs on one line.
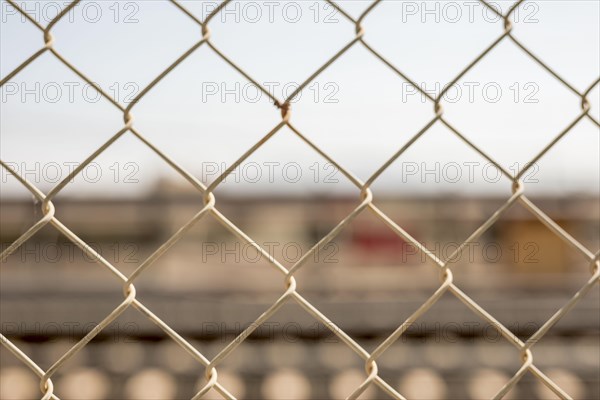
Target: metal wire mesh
{"points": [[291, 292]]}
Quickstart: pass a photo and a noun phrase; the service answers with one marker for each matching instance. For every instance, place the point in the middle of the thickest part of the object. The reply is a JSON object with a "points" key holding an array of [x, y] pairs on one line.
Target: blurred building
{"points": [[368, 280]]}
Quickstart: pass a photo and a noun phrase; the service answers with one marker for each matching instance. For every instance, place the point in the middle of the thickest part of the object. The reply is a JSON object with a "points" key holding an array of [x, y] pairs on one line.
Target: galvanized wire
{"points": [[290, 291]]}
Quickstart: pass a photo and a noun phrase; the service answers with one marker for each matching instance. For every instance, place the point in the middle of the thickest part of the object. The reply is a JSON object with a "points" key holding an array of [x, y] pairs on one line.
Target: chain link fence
{"points": [[290, 291]]}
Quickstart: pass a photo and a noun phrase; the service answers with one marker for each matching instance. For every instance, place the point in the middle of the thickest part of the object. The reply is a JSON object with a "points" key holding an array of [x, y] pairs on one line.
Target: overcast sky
{"points": [[205, 114]]}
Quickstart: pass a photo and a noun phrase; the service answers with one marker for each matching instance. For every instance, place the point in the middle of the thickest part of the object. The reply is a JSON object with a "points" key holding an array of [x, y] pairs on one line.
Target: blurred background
{"points": [[285, 197]]}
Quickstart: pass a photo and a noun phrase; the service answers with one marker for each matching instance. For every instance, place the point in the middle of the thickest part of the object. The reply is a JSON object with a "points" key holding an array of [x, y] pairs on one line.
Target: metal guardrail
{"points": [[291, 292]]}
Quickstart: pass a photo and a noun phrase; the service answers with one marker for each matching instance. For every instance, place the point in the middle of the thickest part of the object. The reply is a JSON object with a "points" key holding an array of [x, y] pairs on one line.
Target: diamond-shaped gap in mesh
{"points": [[86, 376], [20, 39], [135, 352], [561, 48], [521, 272], [293, 355], [368, 280], [308, 196], [39, 283], [513, 112], [132, 43], [210, 283], [431, 43], [452, 352], [429, 190], [205, 114], [252, 33], [71, 119], [450, 344], [127, 202], [136, 349], [358, 102]]}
